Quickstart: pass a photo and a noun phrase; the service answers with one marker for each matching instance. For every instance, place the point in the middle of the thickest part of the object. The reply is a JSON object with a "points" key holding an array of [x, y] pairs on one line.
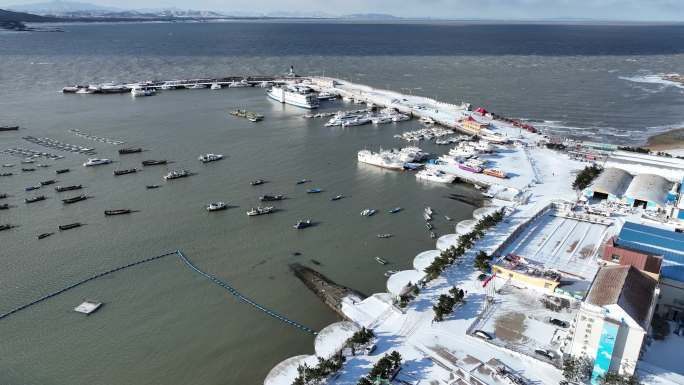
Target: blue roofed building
{"points": [[664, 243]]}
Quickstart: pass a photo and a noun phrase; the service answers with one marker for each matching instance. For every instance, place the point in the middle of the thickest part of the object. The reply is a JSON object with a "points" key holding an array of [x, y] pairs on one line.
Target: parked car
{"points": [[545, 353], [482, 334], [559, 323], [370, 349]]}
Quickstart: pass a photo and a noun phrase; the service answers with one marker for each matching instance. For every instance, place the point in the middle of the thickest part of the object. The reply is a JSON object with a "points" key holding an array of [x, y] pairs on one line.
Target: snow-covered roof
{"points": [[398, 283], [446, 241], [649, 188], [424, 259], [286, 371], [332, 338], [612, 181]]}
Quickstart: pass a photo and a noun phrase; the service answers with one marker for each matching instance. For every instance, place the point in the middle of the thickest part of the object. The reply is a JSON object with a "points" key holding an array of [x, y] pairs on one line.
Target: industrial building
{"points": [[658, 252], [611, 185], [614, 319], [649, 191]]}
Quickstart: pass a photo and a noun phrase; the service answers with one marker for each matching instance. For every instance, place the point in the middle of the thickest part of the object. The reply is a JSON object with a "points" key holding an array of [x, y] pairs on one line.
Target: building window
{"points": [[615, 258]]}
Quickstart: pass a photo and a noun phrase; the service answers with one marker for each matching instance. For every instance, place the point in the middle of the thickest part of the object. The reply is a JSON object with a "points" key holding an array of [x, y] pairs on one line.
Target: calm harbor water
{"points": [[162, 323]]}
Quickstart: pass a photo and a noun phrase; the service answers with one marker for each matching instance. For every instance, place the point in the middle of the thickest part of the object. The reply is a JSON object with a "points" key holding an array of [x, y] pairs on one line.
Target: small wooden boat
{"points": [[9, 128], [31, 188], [44, 235], [6, 227], [153, 162], [3, 196], [68, 188], [384, 236], [395, 210], [380, 261], [118, 212], [129, 150], [302, 224], [35, 199], [257, 182], [62, 171], [70, 226], [337, 197], [6, 174], [47, 182], [74, 199], [313, 191], [4, 206], [126, 171], [446, 218], [303, 181], [152, 186], [28, 169], [433, 235]]}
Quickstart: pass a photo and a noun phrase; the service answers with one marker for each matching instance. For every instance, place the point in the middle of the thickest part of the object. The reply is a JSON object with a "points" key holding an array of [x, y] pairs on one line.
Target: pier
{"points": [[190, 265]]}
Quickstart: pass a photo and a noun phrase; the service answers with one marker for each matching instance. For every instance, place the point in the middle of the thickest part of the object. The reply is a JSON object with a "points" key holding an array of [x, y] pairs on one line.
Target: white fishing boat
{"points": [[435, 176], [206, 158], [215, 86], [137, 91], [217, 206], [96, 162]]}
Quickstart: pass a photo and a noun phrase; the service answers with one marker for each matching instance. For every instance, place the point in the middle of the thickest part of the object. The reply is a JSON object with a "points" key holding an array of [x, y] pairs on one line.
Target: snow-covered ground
{"points": [[665, 356], [444, 352]]}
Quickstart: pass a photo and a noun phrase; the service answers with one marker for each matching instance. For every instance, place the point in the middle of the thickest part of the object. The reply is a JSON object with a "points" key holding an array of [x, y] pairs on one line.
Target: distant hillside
{"points": [[371, 16], [15, 20], [60, 7]]}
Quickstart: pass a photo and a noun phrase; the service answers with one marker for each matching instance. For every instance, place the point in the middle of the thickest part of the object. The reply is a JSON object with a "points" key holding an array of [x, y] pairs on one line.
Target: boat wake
{"points": [[653, 79]]}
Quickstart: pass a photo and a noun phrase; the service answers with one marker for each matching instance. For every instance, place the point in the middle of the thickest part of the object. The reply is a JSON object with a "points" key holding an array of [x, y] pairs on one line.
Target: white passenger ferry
{"points": [[296, 96]]}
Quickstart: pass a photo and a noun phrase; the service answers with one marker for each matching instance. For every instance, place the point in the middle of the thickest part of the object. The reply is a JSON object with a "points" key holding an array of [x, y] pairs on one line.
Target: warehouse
{"points": [[610, 185], [648, 191]]}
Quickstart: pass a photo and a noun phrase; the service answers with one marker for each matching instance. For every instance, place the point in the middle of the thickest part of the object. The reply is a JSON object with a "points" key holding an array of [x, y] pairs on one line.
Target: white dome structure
{"points": [[446, 241], [466, 226], [398, 283], [286, 371], [424, 259], [332, 338]]}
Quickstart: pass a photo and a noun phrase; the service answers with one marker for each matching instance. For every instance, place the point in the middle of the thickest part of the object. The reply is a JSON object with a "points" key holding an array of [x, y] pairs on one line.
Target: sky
{"points": [[642, 10]]}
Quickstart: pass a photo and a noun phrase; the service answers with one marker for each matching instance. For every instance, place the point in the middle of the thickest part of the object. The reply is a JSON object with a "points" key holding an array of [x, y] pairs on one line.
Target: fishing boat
{"points": [[129, 150], [31, 188], [42, 165], [257, 182], [428, 210], [427, 217], [35, 199], [368, 212], [384, 235], [313, 191], [303, 181], [337, 197], [175, 174], [446, 218], [70, 226], [206, 158], [47, 182], [269, 198], [433, 235], [429, 226], [6, 227], [75, 199], [217, 206], [6, 174], [152, 186], [260, 211], [3, 196], [395, 210], [9, 128], [118, 212], [7, 165], [390, 273], [495, 173], [27, 169], [126, 171], [62, 171], [153, 162], [4, 206], [96, 162], [381, 261], [302, 224], [44, 235], [68, 188]]}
